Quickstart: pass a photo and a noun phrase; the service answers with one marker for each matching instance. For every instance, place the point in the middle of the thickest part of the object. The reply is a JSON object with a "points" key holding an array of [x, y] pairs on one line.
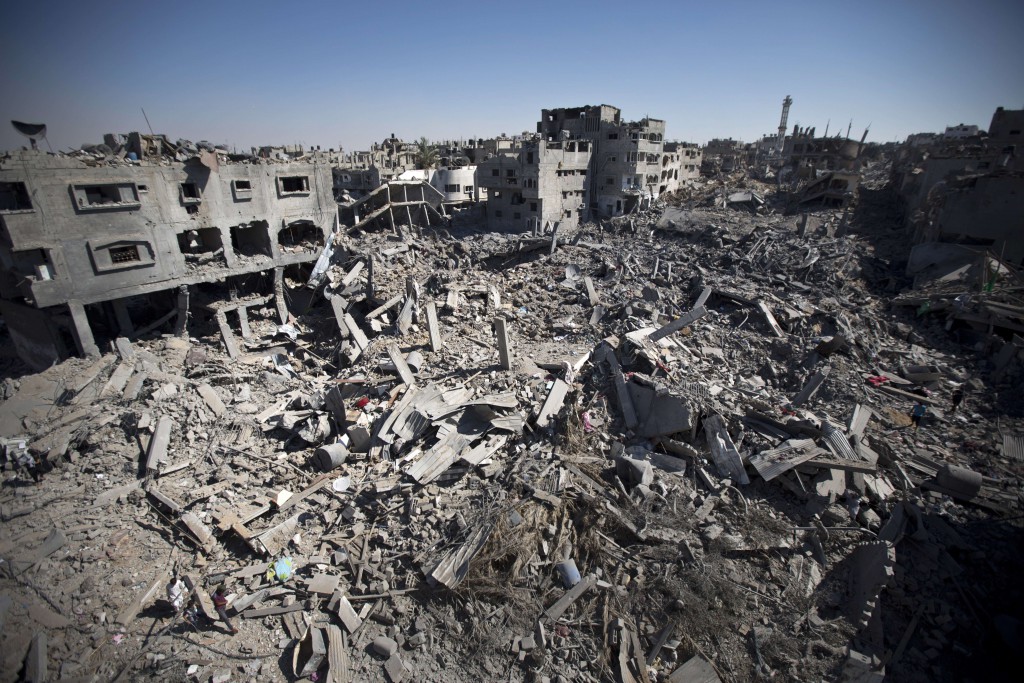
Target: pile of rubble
{"points": [[675, 446]]}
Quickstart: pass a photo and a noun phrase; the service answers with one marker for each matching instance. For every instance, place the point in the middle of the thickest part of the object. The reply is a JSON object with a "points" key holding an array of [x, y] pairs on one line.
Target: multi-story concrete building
{"points": [[91, 252], [629, 166], [538, 184], [690, 156]]}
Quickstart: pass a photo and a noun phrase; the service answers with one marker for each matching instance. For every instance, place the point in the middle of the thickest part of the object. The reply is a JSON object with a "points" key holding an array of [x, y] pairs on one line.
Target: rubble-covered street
{"points": [[675, 445]]}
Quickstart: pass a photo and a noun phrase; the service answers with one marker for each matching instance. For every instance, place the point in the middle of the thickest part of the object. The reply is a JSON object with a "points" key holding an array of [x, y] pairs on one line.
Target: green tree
{"points": [[426, 154]]}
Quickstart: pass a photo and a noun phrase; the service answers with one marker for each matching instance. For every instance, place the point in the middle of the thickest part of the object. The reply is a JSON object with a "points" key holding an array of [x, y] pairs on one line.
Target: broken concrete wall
{"points": [[989, 209], [112, 232]]}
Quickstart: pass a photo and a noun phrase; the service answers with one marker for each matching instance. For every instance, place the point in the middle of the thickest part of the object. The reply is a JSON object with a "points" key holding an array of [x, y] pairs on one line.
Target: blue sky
{"points": [[346, 73]]}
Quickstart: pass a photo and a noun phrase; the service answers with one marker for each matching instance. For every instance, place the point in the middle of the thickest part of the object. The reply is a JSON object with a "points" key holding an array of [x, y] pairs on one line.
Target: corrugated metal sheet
{"points": [[837, 442], [696, 391], [1013, 446], [771, 463]]}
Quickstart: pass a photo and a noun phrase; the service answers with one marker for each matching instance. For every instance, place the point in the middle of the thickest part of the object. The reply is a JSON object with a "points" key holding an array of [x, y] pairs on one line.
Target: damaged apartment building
{"points": [[120, 245], [963, 195], [585, 162]]}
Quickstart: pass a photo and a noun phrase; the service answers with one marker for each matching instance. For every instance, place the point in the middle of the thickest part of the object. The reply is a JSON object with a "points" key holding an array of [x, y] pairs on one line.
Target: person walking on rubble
{"points": [[956, 399], [177, 592], [220, 603], [916, 413]]}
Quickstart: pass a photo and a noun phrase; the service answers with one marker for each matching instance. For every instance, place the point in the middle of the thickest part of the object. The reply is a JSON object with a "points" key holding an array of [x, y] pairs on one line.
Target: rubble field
{"points": [[674, 446]]}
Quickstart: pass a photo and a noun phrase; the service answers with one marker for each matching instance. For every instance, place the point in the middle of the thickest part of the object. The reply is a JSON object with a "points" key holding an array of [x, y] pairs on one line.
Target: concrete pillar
{"points": [[181, 325], [433, 328], [504, 355], [80, 329], [124, 321], [228, 336], [243, 322], [282, 306]]}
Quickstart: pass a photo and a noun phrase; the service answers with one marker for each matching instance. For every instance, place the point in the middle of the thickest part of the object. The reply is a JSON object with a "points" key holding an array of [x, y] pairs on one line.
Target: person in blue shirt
{"points": [[917, 413]]}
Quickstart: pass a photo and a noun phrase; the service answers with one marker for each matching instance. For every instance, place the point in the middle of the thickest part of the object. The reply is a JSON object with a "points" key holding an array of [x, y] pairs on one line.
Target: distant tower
{"points": [[782, 124]]}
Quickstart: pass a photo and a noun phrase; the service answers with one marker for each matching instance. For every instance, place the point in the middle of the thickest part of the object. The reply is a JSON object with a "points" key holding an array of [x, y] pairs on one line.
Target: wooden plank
{"points": [[572, 595], [906, 394], [273, 611], [317, 484], [678, 324], [404, 372]]}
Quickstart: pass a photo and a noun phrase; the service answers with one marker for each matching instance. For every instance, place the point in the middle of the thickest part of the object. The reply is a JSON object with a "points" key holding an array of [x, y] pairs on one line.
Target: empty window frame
{"points": [[297, 184], [190, 193], [495, 172], [451, 188], [111, 195], [14, 197], [242, 189]]}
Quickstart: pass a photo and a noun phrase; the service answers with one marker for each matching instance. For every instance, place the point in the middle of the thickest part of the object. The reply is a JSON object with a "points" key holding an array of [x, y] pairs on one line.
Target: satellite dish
{"points": [[33, 131]]}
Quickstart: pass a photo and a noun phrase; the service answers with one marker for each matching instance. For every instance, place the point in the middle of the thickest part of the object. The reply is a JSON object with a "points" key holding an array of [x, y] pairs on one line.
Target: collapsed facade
{"points": [[98, 251], [964, 192]]}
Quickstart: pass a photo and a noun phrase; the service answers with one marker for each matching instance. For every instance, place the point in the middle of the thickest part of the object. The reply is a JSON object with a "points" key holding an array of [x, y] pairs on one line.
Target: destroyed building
{"points": [[537, 185], [90, 252], [723, 155], [629, 164], [964, 192]]}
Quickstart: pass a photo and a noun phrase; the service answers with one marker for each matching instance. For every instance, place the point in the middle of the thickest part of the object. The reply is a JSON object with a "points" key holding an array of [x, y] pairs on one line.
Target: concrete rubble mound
{"points": [[673, 446]]}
